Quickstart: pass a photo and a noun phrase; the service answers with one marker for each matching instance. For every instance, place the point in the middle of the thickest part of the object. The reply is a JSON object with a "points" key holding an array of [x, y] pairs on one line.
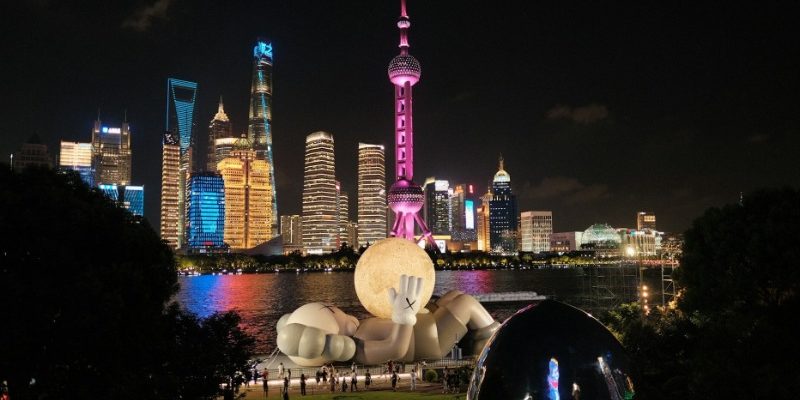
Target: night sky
{"points": [[600, 109]]}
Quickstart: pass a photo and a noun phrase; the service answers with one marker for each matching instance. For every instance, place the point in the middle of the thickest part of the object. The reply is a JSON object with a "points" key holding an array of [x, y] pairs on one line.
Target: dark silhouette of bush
{"points": [[85, 292]]}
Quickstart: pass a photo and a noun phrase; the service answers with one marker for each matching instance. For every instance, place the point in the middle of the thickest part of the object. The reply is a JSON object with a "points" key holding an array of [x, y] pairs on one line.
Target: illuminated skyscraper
{"points": [[128, 197], [171, 218], [483, 233], [247, 197], [405, 197], [462, 209], [292, 233], [342, 214], [437, 206], [181, 97], [77, 157], [645, 220], [371, 194], [503, 216], [223, 148], [259, 129], [206, 212], [219, 128], [320, 223], [111, 153], [535, 230], [32, 153]]}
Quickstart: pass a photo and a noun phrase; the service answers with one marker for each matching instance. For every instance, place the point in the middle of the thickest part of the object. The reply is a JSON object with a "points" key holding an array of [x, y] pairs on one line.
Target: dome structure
{"points": [[404, 68], [501, 175], [551, 351], [600, 235]]}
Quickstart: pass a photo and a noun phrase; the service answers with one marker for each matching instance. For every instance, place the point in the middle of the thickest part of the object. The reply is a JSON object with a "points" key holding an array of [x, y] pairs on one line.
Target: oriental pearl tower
{"points": [[405, 197]]}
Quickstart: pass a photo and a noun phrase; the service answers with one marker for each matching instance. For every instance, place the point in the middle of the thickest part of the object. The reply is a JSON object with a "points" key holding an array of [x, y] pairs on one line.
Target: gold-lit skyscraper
{"points": [[320, 222], [372, 206], [645, 220], [342, 214], [171, 218], [75, 156], [247, 197], [484, 237]]}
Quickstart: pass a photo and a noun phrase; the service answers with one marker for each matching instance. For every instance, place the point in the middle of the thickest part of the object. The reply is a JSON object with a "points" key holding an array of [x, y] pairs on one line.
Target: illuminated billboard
{"points": [[469, 211]]}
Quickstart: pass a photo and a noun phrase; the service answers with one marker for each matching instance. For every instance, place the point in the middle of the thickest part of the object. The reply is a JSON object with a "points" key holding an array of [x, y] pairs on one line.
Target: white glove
{"points": [[405, 300]]}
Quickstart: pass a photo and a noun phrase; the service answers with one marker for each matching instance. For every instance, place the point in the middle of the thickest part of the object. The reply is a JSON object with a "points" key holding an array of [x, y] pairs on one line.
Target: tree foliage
{"points": [[85, 293], [735, 332]]}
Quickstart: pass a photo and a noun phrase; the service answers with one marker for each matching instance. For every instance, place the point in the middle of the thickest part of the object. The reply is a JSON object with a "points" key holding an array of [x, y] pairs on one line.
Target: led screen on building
{"points": [[469, 211]]}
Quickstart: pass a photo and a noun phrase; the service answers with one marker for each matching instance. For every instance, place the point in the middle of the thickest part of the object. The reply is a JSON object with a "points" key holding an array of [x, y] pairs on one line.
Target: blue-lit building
{"points": [[206, 212], [503, 215], [181, 96], [128, 197], [259, 128]]}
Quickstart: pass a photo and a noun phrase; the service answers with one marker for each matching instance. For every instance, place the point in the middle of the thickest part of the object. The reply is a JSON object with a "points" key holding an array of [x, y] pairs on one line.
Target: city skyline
{"points": [[609, 140]]}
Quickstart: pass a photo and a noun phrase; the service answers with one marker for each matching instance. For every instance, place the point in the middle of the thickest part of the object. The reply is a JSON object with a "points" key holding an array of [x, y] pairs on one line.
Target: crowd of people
{"points": [[329, 377]]}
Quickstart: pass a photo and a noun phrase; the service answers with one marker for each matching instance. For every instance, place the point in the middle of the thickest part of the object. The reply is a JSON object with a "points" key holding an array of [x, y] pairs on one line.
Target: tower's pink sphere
{"points": [[404, 68], [406, 196]]}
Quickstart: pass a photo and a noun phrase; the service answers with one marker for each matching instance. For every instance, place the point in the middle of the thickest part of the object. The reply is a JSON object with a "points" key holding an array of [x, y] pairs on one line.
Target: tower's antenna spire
{"points": [[403, 24], [220, 108]]}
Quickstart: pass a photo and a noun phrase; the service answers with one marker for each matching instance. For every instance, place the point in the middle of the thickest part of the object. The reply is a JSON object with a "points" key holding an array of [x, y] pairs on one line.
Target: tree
{"points": [[741, 273], [85, 288], [734, 334]]}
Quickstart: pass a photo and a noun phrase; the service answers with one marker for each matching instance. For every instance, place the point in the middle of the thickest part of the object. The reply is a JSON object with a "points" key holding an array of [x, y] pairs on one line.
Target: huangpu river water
{"points": [[261, 299]]}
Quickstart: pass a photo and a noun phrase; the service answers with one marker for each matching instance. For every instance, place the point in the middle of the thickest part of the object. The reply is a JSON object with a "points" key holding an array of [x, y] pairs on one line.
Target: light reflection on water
{"points": [[261, 299]]}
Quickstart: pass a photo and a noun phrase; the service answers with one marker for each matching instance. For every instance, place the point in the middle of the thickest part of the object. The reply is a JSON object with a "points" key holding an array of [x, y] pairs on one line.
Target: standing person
{"points": [[353, 368], [367, 380], [333, 382], [354, 383], [445, 377], [394, 381], [303, 384], [344, 384], [285, 384], [289, 374], [325, 373], [265, 386], [413, 379], [280, 371], [318, 376]]}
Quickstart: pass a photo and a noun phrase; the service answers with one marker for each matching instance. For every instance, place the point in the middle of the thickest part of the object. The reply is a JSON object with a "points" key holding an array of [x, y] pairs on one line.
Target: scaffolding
{"points": [[604, 287], [668, 288]]}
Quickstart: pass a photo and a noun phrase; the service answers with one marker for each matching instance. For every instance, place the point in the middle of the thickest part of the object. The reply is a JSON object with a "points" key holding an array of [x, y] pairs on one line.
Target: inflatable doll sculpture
{"points": [[318, 333]]}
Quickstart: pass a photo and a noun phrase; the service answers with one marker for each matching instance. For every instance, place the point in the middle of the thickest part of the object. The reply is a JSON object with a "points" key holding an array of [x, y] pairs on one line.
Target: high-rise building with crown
{"points": [[247, 197], [371, 194], [219, 128], [259, 128], [111, 153], [171, 218], [503, 215], [320, 222]]}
